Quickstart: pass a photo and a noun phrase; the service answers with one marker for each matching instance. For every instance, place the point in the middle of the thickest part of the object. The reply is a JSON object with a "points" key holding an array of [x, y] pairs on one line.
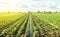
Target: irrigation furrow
{"points": [[31, 31]]}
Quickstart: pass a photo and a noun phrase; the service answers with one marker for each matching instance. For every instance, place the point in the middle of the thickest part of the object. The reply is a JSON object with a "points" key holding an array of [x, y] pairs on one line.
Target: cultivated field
{"points": [[53, 18], [29, 25]]}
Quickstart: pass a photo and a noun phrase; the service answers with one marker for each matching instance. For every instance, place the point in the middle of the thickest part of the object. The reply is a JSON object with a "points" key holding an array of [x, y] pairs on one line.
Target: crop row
{"points": [[29, 25], [42, 28], [19, 27]]}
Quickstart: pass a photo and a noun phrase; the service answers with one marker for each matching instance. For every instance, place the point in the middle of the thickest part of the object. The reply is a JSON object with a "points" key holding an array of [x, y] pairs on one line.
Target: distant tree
{"points": [[19, 12], [44, 12], [38, 11], [56, 12], [29, 11], [50, 12], [8, 11]]}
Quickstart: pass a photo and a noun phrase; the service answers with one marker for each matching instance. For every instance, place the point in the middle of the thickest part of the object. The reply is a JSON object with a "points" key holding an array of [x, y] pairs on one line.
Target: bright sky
{"points": [[29, 5]]}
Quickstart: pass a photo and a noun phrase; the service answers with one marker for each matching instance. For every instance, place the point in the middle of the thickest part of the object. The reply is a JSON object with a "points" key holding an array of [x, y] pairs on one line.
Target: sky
{"points": [[29, 5]]}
